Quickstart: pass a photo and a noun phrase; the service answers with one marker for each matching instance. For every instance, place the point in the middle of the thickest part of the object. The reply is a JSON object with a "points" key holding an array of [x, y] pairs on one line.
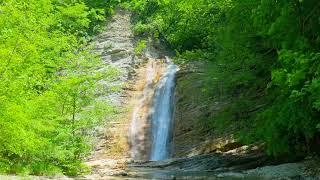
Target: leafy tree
{"points": [[48, 85]]}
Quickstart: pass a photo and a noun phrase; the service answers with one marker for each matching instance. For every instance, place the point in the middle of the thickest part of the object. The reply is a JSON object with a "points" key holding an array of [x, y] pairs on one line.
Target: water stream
{"points": [[162, 116], [151, 127]]}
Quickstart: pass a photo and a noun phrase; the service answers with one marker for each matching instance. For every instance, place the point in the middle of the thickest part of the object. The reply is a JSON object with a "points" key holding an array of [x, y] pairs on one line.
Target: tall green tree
{"points": [[47, 85]]}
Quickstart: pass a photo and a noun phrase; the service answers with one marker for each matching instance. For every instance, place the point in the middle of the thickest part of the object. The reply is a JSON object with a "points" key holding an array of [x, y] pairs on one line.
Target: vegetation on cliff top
{"points": [[47, 86], [265, 61]]}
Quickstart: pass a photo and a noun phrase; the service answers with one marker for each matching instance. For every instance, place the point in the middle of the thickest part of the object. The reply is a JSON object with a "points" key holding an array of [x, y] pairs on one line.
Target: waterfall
{"points": [[151, 126], [162, 114]]}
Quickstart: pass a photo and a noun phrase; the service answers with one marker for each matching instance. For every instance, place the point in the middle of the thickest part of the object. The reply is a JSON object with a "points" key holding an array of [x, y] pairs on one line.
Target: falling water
{"points": [[153, 112], [162, 114]]}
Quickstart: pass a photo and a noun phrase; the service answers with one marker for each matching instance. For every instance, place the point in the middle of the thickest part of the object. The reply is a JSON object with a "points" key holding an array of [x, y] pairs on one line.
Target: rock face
{"points": [[116, 48], [193, 109]]}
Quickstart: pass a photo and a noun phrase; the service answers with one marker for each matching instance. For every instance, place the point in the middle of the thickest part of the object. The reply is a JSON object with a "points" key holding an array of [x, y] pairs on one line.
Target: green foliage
{"points": [[295, 111], [140, 29], [140, 47], [48, 86], [265, 57]]}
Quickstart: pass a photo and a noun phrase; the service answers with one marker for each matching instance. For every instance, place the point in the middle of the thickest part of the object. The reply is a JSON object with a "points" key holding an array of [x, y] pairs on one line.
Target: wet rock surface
{"points": [[222, 166]]}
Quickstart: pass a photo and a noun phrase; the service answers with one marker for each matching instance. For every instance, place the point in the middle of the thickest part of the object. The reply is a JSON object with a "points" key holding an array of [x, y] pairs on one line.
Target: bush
{"points": [[140, 47]]}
